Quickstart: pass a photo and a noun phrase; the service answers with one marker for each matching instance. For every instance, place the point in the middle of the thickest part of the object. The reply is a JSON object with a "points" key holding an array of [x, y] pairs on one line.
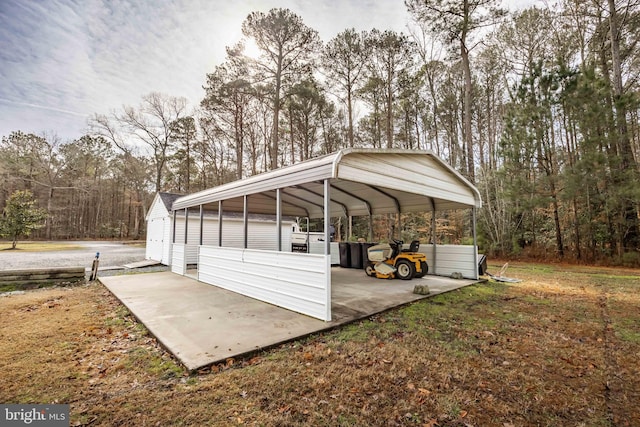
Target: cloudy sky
{"points": [[64, 60]]}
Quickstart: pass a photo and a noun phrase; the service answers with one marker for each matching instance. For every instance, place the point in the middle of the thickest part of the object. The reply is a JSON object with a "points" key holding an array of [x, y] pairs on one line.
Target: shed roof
{"points": [[363, 181], [168, 199]]}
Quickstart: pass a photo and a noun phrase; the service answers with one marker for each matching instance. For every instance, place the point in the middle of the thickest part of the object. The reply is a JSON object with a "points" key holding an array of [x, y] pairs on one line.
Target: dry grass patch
{"points": [[561, 348], [39, 246]]}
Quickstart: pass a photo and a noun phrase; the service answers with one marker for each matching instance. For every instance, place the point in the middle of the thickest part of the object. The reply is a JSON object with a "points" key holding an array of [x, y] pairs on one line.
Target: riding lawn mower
{"points": [[391, 260]]}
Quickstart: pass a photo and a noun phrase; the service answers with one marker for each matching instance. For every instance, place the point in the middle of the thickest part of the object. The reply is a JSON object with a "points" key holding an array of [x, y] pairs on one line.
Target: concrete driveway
{"points": [[112, 254], [202, 324]]}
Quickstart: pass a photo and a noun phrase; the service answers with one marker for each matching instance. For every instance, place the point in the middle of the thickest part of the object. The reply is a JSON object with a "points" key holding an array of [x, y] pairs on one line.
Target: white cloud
{"points": [[63, 60]]}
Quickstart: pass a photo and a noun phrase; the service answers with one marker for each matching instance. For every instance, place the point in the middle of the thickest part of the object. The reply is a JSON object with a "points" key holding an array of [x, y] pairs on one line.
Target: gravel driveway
{"points": [[112, 254]]}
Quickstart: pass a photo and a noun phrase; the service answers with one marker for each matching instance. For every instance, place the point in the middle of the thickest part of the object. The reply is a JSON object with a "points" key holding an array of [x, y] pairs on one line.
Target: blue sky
{"points": [[64, 60]]}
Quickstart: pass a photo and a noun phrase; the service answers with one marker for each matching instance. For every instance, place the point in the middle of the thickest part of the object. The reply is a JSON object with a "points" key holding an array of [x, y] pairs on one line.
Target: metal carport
{"points": [[350, 182]]}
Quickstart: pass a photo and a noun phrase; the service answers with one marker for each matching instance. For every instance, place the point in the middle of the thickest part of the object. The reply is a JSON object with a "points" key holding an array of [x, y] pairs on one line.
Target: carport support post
{"points": [[220, 223], [308, 243], [475, 242], [201, 223], [173, 231], [433, 235], [186, 224], [245, 220], [279, 219], [327, 218]]}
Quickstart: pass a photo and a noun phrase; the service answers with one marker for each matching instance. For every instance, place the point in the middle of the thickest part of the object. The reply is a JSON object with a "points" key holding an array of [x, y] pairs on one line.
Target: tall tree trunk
{"points": [[466, 68], [275, 138], [630, 234], [389, 116], [49, 216], [350, 113]]}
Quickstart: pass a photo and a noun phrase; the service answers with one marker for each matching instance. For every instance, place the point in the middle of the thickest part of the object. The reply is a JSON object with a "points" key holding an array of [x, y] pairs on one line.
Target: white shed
{"points": [[160, 232], [159, 228], [350, 182]]}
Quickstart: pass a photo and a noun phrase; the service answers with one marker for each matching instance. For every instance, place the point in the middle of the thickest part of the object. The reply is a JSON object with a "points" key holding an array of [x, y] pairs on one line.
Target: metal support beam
{"points": [[245, 220], [369, 209], [279, 219], [308, 244], [284, 202], [342, 205], [302, 199], [475, 242], [384, 193], [219, 223], [433, 236], [201, 223], [327, 217], [186, 225], [173, 231]]}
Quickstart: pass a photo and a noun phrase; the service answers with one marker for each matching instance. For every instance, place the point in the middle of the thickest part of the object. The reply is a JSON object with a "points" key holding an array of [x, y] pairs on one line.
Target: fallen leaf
{"points": [[431, 423], [463, 414], [410, 386], [424, 391], [307, 356]]}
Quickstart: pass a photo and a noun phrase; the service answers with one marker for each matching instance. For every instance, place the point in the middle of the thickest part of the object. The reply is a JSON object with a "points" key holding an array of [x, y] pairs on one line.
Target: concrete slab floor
{"points": [[203, 324]]}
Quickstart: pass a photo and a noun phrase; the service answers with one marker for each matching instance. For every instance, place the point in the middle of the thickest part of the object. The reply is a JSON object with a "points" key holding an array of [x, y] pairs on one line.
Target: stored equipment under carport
{"points": [[391, 260]]}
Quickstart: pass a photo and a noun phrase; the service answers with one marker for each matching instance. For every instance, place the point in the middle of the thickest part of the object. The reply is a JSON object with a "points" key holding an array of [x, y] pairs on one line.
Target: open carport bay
{"points": [[203, 324]]}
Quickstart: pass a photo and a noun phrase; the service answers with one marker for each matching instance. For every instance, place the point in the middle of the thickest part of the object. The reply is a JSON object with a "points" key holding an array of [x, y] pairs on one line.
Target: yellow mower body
{"points": [[390, 260]]}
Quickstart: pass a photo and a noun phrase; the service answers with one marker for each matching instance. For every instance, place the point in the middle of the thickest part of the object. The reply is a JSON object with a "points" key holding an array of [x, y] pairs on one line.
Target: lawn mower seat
{"points": [[413, 247]]}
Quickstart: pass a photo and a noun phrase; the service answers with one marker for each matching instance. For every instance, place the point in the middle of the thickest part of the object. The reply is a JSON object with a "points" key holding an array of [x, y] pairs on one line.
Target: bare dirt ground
{"points": [[559, 349]]}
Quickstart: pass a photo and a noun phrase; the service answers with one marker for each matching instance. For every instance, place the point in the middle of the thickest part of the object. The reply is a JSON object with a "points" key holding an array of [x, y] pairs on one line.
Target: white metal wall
{"points": [[178, 262], [450, 259], [262, 234], [318, 248], [298, 282]]}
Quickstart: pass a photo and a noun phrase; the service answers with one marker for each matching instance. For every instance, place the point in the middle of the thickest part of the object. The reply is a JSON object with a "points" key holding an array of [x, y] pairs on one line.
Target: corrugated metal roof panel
{"points": [[366, 180]]}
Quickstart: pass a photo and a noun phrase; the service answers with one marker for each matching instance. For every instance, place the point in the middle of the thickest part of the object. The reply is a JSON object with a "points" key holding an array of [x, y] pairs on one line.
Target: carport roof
{"points": [[363, 182]]}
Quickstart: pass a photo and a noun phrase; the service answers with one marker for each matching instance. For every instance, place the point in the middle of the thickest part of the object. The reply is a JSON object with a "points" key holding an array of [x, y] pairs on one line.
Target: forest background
{"points": [[538, 108]]}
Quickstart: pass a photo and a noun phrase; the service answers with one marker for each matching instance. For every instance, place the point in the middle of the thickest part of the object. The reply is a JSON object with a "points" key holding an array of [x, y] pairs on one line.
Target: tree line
{"points": [[538, 107]]}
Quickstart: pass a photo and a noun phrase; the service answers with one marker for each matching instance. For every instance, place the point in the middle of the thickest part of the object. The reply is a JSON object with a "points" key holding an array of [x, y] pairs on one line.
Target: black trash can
{"points": [[345, 254], [365, 253], [355, 250]]}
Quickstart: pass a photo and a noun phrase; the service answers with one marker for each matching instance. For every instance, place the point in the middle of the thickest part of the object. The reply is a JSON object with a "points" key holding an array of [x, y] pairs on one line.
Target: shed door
{"points": [[155, 234]]}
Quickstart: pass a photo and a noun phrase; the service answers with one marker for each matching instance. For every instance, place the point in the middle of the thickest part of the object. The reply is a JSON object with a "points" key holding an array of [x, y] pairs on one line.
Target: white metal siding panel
{"points": [[318, 248], [452, 258], [262, 234], [178, 265], [191, 253], [298, 282]]}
